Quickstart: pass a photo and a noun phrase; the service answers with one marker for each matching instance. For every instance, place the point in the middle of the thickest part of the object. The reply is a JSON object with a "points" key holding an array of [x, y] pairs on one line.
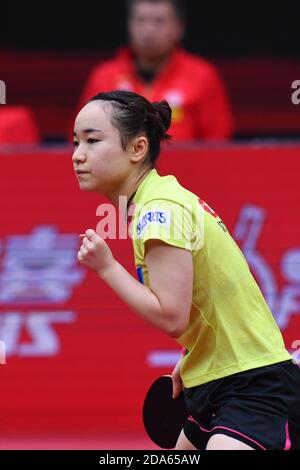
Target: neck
{"points": [[128, 187], [152, 65]]}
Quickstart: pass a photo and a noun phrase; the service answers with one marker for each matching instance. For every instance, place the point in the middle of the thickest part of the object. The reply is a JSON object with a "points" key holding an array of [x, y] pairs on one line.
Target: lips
{"points": [[81, 172]]}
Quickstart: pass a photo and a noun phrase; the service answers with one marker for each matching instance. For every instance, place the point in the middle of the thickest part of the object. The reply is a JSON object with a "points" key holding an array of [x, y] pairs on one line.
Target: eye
{"points": [[92, 141], [75, 143]]}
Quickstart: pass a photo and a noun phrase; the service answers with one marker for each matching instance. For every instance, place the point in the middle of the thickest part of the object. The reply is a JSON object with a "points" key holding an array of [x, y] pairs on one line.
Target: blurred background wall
{"points": [[47, 52]]}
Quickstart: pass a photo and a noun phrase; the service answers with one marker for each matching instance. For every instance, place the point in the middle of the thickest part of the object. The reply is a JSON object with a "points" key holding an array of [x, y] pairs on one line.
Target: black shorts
{"points": [[260, 407]]}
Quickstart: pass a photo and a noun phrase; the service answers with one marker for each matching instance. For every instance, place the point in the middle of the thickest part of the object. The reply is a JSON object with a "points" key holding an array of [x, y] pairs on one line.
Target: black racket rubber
{"points": [[163, 416]]}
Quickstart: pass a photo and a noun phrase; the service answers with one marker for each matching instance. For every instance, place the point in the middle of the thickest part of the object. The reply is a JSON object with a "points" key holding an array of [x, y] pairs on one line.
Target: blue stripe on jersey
{"points": [[140, 274]]}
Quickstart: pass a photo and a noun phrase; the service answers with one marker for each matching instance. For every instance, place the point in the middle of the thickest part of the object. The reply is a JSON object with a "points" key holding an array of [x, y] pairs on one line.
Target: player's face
{"points": [[154, 29], [100, 162]]}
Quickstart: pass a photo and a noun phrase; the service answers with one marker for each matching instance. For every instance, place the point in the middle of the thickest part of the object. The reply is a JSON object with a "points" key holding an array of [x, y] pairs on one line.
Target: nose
{"points": [[78, 156], [149, 27]]}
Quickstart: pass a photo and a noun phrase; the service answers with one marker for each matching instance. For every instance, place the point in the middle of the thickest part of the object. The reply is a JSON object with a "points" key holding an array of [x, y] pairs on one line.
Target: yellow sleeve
{"points": [[167, 221]]}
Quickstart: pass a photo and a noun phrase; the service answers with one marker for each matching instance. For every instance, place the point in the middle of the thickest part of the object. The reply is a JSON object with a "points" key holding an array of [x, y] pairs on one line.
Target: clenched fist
{"points": [[94, 252]]}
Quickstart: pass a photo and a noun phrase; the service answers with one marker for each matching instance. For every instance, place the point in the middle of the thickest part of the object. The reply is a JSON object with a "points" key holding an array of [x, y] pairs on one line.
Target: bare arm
{"points": [[166, 303]]}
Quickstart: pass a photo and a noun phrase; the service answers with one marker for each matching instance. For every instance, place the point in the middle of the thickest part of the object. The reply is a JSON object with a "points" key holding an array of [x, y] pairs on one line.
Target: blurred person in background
{"points": [[155, 66], [18, 126]]}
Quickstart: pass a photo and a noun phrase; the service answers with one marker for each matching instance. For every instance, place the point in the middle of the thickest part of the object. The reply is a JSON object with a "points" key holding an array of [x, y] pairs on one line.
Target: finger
{"points": [[83, 251], [90, 233], [177, 392], [79, 257], [174, 388], [177, 388], [87, 243]]}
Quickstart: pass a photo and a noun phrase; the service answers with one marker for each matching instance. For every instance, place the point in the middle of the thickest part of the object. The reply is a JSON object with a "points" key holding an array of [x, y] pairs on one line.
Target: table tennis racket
{"points": [[164, 416]]}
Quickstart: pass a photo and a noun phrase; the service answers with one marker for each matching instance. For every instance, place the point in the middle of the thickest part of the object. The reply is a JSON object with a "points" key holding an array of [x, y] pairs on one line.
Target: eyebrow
{"points": [[88, 131]]}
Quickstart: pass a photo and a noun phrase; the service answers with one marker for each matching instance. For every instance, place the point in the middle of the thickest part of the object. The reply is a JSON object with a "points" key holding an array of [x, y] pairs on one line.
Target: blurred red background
{"points": [[77, 360]]}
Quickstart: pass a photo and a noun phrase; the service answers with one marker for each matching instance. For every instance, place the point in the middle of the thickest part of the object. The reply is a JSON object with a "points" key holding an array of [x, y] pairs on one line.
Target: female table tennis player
{"points": [[240, 385]]}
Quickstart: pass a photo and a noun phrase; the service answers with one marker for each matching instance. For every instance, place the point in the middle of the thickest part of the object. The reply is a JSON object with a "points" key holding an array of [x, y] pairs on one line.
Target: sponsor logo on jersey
{"points": [[155, 217]]}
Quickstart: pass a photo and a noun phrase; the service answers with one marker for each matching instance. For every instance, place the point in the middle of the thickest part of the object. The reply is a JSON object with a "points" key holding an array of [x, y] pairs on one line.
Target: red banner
{"points": [[73, 356]]}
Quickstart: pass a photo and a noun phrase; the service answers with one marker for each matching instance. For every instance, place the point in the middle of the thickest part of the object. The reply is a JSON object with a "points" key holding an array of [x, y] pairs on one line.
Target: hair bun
{"points": [[133, 115], [164, 114]]}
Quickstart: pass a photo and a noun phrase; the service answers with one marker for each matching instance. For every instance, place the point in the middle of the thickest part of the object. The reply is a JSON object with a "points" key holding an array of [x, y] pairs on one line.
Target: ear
{"points": [[139, 148]]}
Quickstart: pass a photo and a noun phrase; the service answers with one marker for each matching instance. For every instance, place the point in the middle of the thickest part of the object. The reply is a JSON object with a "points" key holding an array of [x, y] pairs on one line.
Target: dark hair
{"points": [[133, 115], [177, 5]]}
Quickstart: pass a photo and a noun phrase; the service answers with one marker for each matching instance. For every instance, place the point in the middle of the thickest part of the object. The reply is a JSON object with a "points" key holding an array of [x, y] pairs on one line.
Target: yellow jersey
{"points": [[231, 328]]}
